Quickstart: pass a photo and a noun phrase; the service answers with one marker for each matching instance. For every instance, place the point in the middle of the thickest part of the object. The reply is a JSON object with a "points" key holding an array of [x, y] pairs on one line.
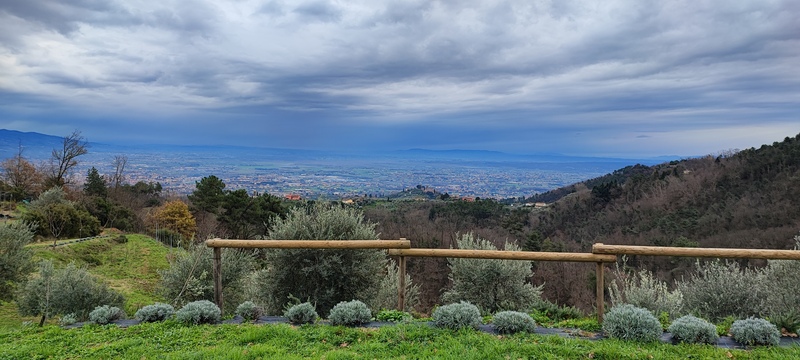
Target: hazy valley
{"points": [[315, 174]]}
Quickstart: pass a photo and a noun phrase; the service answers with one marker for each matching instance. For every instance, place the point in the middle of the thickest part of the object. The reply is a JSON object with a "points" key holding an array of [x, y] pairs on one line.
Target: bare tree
{"points": [[63, 160], [21, 175], [119, 171]]}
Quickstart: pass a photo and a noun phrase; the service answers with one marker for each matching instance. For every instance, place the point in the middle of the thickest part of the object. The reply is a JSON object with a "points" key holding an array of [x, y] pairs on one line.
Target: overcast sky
{"points": [[611, 78]]}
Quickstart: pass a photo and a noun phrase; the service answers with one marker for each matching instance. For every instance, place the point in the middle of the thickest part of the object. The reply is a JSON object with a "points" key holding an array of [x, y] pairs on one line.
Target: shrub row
{"points": [[629, 322], [346, 313], [626, 322]]}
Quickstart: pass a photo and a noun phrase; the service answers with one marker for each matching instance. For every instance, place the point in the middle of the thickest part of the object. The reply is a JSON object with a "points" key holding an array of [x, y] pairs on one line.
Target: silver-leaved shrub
{"points": [[628, 322], [693, 330], [350, 313], [457, 316]]}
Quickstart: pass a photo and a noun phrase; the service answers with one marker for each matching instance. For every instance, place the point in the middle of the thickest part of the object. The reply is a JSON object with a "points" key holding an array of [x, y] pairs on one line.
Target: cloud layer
{"points": [[617, 78]]}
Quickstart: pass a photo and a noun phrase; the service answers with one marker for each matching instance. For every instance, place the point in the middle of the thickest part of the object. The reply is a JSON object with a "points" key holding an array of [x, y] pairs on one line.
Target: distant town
{"points": [[314, 175], [338, 180]]}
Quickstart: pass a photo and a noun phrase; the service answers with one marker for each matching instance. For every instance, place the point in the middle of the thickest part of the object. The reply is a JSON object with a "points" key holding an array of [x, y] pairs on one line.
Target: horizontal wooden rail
{"points": [[504, 255], [218, 244], [600, 248], [309, 244]]}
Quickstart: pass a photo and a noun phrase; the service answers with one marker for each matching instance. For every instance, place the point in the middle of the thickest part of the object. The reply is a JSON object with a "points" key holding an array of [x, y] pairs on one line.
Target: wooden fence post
{"points": [[401, 283], [218, 277], [600, 291]]}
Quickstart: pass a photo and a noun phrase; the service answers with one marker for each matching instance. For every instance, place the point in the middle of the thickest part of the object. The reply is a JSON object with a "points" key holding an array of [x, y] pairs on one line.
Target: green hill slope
{"points": [[130, 267]]}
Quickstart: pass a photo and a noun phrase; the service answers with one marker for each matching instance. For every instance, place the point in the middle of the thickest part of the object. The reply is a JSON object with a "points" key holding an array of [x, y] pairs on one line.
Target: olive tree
{"points": [[325, 277], [71, 290], [190, 278], [15, 259], [58, 217], [491, 284]]}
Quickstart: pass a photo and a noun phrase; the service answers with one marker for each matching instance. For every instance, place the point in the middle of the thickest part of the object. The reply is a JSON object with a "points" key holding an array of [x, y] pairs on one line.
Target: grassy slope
{"points": [[174, 341], [130, 268], [10, 318]]}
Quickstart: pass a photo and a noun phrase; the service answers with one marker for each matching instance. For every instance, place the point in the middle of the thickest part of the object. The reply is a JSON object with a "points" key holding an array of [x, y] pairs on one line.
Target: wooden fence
{"points": [[601, 248], [218, 244], [505, 255], [401, 248]]}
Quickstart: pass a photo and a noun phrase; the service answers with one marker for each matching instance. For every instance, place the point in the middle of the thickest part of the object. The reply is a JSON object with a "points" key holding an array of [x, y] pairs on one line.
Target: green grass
{"points": [[130, 268], [170, 340], [10, 318]]}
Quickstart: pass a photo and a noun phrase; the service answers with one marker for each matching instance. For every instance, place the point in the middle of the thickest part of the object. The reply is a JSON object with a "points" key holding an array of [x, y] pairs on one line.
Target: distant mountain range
{"points": [[39, 146], [10, 140]]}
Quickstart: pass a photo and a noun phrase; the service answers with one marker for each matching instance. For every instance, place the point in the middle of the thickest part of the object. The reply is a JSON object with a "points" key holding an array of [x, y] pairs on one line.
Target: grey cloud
{"points": [[65, 16], [405, 13], [273, 8], [505, 69], [15, 102], [191, 18], [69, 80], [135, 76], [323, 11]]}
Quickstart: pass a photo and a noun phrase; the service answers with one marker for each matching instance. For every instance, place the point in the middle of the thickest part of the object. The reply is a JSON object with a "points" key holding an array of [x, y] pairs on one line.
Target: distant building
{"points": [[293, 197], [348, 201], [535, 205]]}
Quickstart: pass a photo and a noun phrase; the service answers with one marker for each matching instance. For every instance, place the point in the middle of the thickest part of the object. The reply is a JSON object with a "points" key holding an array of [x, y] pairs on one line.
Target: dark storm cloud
{"points": [[477, 74]]}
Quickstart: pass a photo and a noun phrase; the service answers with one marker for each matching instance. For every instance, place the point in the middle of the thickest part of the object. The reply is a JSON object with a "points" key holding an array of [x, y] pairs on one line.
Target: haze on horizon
{"points": [[614, 78]]}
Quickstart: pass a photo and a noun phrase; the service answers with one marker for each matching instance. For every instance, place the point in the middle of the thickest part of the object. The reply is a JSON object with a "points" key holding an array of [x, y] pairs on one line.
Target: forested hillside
{"points": [[746, 199]]}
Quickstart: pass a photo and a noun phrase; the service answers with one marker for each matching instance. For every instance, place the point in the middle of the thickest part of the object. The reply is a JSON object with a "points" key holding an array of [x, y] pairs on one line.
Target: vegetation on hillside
{"points": [[737, 199], [745, 199], [709, 201]]}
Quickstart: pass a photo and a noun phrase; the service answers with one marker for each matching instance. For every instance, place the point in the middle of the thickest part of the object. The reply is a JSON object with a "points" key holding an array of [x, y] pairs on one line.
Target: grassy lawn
{"points": [[171, 340]]}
